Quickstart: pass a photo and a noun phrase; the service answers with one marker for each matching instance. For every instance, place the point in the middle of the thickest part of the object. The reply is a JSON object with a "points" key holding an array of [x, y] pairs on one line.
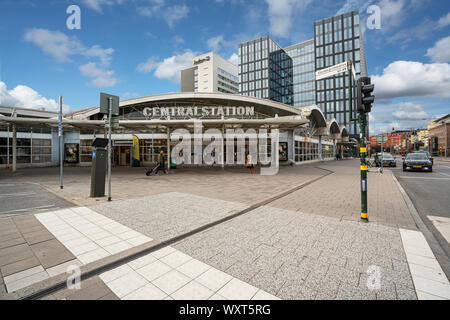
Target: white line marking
{"points": [[448, 175], [405, 177], [17, 194], [26, 209], [419, 255]]}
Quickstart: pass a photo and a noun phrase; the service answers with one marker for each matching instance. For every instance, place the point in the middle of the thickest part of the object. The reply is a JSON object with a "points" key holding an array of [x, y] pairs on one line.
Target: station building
{"points": [[30, 138]]}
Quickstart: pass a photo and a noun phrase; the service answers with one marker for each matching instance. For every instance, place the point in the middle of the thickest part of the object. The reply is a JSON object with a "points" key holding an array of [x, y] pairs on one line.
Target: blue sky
{"points": [[137, 47]]}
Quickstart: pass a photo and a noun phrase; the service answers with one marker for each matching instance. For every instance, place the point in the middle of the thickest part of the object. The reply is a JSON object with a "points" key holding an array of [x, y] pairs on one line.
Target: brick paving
{"points": [[27, 251], [165, 216], [338, 195], [294, 255], [306, 245]]}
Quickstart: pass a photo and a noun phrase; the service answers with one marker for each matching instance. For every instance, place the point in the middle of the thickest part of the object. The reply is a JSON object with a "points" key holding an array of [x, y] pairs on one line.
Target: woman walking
{"points": [[250, 166]]}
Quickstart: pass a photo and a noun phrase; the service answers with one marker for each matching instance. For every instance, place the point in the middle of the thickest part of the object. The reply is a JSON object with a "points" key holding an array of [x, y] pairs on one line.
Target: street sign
{"points": [[333, 70], [380, 138], [114, 121], [104, 104]]}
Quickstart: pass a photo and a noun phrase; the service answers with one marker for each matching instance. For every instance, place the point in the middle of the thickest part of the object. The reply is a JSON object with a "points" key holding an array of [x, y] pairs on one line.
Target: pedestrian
{"points": [[250, 166], [161, 163]]}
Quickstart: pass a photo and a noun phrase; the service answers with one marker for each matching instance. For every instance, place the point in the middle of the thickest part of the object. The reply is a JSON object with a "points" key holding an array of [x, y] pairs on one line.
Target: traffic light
{"points": [[365, 98]]}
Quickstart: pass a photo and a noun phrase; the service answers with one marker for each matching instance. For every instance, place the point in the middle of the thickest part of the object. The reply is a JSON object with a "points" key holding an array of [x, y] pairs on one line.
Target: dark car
{"points": [[428, 155], [417, 161], [385, 160]]}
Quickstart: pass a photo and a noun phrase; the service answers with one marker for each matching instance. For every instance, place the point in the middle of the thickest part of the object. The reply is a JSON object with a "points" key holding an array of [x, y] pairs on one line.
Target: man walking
{"points": [[161, 163]]}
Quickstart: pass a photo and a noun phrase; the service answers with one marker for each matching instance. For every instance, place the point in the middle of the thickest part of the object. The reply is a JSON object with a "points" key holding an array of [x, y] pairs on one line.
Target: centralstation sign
{"points": [[194, 112]]}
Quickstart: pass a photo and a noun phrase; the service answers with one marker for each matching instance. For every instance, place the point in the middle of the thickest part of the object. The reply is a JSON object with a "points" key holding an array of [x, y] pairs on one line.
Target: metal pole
{"points": [[223, 147], [350, 100], [362, 153], [109, 146], [320, 147], [8, 161], [169, 161], [61, 145], [14, 148]]}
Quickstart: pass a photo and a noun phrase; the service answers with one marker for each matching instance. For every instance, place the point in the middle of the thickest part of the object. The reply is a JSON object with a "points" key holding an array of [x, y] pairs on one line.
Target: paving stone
{"points": [[15, 257], [51, 253], [19, 266], [348, 292], [297, 290], [405, 293], [343, 275], [93, 292], [268, 282], [11, 242]]}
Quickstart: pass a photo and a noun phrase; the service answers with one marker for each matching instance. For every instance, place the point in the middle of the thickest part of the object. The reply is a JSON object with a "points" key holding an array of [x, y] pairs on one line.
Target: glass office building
{"points": [[304, 83], [338, 39], [265, 71]]}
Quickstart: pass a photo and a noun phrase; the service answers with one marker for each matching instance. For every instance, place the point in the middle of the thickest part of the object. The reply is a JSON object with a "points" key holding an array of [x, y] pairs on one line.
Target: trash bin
{"points": [[173, 165], [98, 171]]}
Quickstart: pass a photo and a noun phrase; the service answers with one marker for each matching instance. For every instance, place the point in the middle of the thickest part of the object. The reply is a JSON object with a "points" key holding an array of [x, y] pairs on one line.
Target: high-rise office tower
{"points": [[338, 39], [304, 78], [265, 71]]}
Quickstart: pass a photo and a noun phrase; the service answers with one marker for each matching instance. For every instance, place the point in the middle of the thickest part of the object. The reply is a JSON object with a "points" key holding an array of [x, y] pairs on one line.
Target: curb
{"points": [[440, 254]]}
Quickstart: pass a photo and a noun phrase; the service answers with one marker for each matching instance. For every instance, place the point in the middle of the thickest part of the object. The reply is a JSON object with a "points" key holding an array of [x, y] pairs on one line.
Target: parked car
{"points": [[385, 160], [428, 155], [417, 161]]}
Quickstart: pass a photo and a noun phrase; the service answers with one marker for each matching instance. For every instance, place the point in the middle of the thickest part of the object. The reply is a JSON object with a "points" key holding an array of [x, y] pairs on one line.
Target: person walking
{"points": [[250, 166], [161, 163]]}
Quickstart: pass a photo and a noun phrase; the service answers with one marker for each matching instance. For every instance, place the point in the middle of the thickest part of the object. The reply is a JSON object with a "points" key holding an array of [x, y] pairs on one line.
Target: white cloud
{"points": [[62, 48], [410, 111], [401, 116], [392, 13], [96, 5], [25, 97], [413, 79], [101, 78], [444, 21], [156, 8], [280, 15], [149, 65], [175, 13], [441, 51], [151, 9], [234, 59], [169, 68], [215, 43], [177, 40]]}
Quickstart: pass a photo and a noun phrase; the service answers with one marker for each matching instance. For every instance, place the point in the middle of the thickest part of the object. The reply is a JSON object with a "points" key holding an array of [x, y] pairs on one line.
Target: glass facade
{"points": [[29, 149], [308, 150], [302, 55], [265, 71], [336, 40]]}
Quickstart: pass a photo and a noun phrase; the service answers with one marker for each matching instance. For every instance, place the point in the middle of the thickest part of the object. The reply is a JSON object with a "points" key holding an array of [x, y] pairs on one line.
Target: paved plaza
{"points": [[289, 236]]}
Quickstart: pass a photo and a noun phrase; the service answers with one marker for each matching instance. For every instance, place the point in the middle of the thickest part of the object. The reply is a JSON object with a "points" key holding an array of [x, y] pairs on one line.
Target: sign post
{"points": [[61, 145], [109, 104]]}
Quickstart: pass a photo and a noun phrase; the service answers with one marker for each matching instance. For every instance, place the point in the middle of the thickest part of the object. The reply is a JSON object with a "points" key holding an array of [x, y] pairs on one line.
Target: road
{"points": [[24, 198], [430, 193]]}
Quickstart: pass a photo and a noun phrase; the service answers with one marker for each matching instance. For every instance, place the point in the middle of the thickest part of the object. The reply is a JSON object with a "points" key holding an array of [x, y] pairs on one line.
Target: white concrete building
{"points": [[210, 73]]}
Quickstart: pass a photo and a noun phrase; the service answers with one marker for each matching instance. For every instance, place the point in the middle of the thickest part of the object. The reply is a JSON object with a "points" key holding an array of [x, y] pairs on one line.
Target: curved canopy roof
{"points": [[265, 106]]}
